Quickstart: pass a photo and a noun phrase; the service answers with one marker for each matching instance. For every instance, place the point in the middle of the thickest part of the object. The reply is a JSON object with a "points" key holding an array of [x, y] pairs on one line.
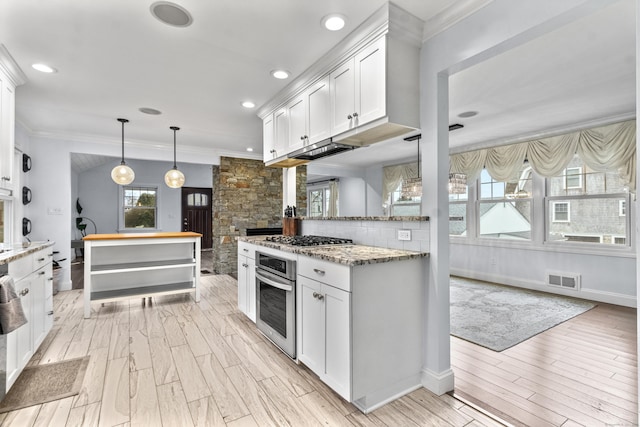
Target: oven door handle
{"points": [[273, 283]]}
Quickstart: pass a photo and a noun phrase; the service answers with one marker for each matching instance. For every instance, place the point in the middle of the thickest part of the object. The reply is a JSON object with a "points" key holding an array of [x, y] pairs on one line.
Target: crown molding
{"points": [[11, 68], [451, 16]]}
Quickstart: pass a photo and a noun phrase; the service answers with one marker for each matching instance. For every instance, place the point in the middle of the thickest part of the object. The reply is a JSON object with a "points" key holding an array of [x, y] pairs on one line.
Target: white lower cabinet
{"points": [[325, 333], [247, 279], [360, 328], [33, 280]]}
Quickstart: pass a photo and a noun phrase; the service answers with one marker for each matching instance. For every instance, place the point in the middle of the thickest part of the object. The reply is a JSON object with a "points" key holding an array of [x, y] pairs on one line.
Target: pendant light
{"points": [[174, 178], [122, 174], [412, 187]]}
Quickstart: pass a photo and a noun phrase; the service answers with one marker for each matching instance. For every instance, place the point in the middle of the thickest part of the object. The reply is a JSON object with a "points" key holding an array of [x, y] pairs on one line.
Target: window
{"points": [[573, 178], [405, 200], [5, 220], [458, 212], [587, 207], [560, 212], [139, 207], [197, 199], [504, 209]]}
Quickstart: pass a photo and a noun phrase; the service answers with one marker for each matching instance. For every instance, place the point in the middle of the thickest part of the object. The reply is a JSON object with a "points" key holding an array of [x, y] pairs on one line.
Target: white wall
{"points": [[353, 197], [99, 195], [52, 210]]}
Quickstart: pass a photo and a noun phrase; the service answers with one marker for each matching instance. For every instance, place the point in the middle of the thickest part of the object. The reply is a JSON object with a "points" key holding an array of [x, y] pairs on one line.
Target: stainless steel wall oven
{"points": [[275, 300]]}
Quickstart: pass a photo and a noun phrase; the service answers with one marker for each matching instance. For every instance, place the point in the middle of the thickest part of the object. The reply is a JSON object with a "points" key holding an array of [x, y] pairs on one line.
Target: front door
{"points": [[196, 213]]}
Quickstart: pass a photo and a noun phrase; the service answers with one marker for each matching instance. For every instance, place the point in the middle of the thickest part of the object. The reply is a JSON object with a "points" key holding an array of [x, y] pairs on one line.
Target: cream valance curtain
{"points": [[604, 149], [392, 176]]}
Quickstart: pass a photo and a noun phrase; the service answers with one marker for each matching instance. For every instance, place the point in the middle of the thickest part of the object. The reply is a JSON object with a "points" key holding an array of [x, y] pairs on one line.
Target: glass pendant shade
{"points": [[122, 174], [174, 178], [457, 183], [411, 187]]}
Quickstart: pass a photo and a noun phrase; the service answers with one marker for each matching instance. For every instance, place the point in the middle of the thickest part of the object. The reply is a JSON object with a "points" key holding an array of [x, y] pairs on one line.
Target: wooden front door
{"points": [[196, 213]]}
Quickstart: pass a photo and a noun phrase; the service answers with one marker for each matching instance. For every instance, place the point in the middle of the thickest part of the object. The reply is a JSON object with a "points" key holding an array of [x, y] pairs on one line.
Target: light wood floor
{"points": [[581, 372], [178, 363]]}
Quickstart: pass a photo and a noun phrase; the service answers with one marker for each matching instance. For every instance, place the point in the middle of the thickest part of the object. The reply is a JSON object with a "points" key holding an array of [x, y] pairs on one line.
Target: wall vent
{"points": [[564, 280]]}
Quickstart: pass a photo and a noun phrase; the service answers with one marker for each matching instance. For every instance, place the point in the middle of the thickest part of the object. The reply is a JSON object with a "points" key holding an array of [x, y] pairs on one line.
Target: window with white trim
{"points": [[572, 178], [561, 212], [139, 207], [622, 208]]}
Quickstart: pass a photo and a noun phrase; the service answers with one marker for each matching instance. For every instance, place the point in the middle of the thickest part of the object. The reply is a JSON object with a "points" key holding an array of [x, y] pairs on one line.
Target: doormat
{"points": [[44, 383], [498, 317]]}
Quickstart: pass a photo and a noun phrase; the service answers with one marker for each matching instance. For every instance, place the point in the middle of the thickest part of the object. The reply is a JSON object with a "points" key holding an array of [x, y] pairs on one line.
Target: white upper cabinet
{"points": [[11, 76], [365, 90], [268, 135], [318, 111], [281, 140]]}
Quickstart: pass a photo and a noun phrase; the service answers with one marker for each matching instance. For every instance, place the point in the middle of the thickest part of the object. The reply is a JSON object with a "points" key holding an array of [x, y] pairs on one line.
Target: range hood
{"points": [[319, 150]]}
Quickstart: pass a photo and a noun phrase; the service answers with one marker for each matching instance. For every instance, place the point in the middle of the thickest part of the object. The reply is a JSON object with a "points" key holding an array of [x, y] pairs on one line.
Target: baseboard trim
{"points": [[438, 383], [585, 293]]}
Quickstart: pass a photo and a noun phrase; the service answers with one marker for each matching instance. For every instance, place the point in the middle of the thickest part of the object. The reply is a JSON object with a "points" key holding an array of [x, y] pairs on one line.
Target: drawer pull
{"points": [[50, 279], [42, 273], [245, 265], [50, 313], [41, 259], [24, 292], [245, 249], [50, 255], [318, 271]]}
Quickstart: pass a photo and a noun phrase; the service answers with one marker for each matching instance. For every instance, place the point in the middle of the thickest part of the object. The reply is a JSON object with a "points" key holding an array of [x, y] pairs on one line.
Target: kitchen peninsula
{"points": [[139, 265], [358, 312]]}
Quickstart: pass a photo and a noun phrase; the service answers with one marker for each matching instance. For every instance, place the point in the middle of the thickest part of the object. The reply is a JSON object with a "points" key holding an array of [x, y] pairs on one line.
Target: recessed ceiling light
{"points": [[171, 14], [44, 68], [334, 22], [248, 104], [280, 74], [249, 149], [151, 111], [467, 114]]}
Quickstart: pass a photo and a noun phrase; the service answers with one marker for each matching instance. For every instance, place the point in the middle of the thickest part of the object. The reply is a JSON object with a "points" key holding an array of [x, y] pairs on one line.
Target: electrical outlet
{"points": [[404, 234]]}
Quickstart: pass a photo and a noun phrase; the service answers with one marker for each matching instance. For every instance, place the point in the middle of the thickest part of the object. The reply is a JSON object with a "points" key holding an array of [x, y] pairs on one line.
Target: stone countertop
{"points": [[365, 218], [350, 255], [12, 252]]}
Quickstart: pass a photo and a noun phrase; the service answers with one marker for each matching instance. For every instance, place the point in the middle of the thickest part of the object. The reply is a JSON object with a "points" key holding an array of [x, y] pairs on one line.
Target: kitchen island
{"points": [[358, 314], [139, 265]]}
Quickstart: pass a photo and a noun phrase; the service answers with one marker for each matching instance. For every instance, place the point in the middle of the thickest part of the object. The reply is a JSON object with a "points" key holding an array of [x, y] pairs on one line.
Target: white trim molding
{"points": [[438, 383]]}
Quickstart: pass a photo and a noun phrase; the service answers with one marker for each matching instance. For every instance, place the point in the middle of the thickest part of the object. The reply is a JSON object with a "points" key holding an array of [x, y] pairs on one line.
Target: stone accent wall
{"points": [[246, 194]]}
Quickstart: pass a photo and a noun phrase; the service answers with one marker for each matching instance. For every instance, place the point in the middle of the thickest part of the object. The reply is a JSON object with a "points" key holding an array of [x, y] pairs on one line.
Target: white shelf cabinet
{"points": [[33, 280], [360, 328], [247, 279], [123, 266]]}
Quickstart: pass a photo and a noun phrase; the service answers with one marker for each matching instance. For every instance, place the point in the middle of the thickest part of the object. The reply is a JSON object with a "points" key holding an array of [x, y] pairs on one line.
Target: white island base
{"points": [[139, 265]]}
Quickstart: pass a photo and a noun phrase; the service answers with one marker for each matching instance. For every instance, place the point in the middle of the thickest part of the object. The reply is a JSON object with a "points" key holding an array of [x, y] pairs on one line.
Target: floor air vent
{"points": [[564, 280]]}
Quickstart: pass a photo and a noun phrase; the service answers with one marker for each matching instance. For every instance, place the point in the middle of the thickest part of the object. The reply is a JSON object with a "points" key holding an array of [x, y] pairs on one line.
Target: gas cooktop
{"points": [[308, 240]]}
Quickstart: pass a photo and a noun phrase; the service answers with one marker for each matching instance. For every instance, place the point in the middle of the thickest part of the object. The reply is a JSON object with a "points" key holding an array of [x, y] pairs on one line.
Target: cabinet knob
{"points": [[245, 249], [320, 272], [50, 255], [318, 296], [50, 279], [245, 265], [40, 259], [349, 117], [24, 292], [272, 151], [42, 273], [50, 313], [302, 138], [355, 115], [6, 178]]}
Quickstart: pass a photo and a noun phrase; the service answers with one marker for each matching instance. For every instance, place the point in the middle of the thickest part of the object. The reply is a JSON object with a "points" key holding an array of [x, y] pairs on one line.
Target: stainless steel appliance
{"points": [[276, 300]]}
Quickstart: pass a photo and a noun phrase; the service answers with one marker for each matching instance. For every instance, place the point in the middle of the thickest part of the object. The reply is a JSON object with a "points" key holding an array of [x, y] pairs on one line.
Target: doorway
{"points": [[196, 213]]}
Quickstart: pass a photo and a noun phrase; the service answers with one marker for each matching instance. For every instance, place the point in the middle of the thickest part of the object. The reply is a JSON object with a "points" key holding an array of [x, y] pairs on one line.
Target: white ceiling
{"points": [[113, 57]]}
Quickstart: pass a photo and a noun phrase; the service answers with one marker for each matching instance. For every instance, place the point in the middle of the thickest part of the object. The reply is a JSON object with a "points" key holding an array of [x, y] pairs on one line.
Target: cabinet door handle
{"points": [[6, 178], [50, 279], [302, 138], [50, 313], [355, 115], [42, 273], [349, 117], [272, 151], [320, 272], [24, 292], [40, 259], [50, 255], [245, 265], [245, 249]]}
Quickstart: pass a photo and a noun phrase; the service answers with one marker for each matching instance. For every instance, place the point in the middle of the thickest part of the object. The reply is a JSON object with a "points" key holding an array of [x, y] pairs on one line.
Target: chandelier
{"points": [[457, 183], [412, 187]]}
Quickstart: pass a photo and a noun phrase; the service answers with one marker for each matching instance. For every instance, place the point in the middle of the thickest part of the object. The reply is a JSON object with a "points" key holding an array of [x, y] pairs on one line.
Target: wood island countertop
{"points": [[122, 236]]}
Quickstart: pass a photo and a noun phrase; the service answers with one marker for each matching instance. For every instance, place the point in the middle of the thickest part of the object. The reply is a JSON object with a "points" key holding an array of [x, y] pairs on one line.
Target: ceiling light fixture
{"points": [[174, 178], [334, 22], [248, 104], [171, 14], [249, 149], [44, 68], [122, 174], [151, 111], [280, 74]]}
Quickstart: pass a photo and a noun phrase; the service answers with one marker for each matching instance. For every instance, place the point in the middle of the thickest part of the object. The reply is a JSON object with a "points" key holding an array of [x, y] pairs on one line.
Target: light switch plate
{"points": [[404, 234]]}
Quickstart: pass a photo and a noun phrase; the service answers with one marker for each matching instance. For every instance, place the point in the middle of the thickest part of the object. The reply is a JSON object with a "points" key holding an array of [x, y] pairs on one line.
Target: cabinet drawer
{"points": [[21, 267], [42, 258], [336, 275], [247, 249]]}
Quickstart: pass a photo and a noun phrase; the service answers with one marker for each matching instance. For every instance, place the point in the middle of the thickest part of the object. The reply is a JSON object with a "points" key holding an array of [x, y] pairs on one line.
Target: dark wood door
{"points": [[196, 213]]}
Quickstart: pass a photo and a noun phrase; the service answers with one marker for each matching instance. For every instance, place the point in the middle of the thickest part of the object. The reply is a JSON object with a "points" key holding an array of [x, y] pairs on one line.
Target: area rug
{"points": [[498, 317], [44, 383]]}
